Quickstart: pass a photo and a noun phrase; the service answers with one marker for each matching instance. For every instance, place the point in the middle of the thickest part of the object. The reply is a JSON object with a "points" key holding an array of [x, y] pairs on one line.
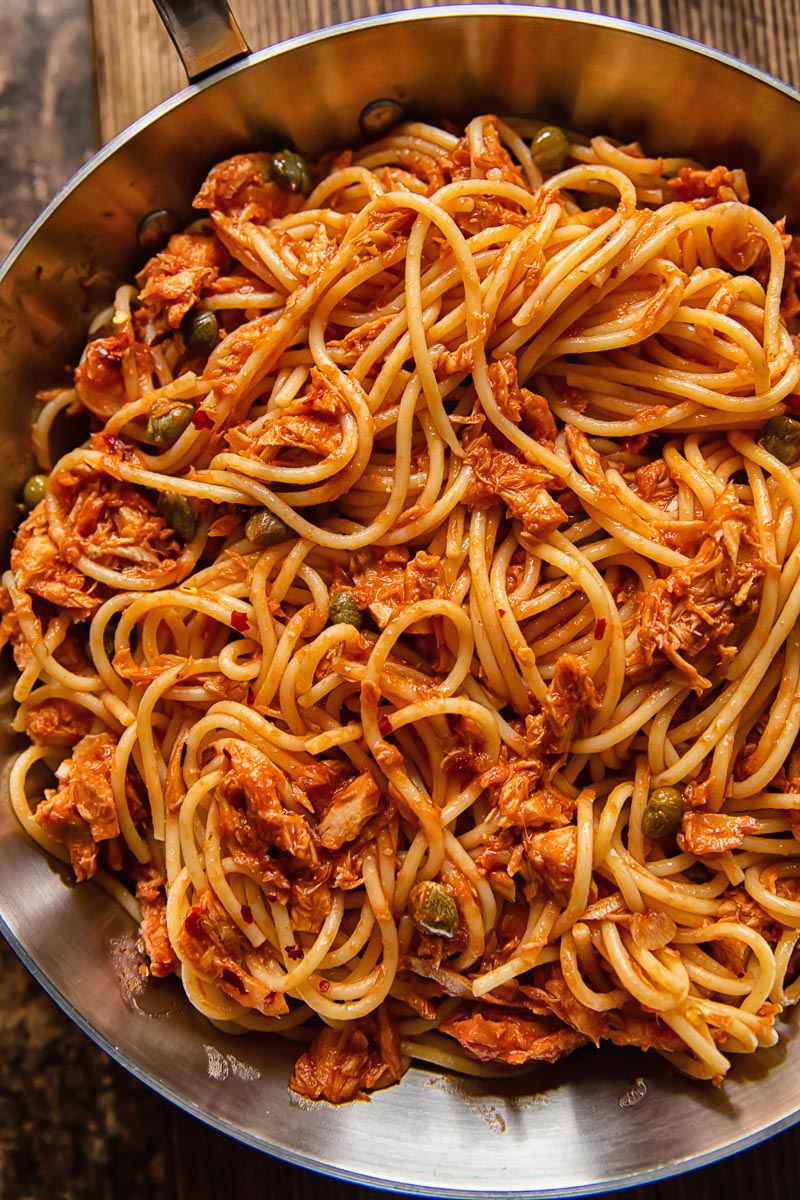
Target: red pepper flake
{"points": [[324, 985], [116, 446], [233, 980], [239, 621], [201, 419], [247, 914], [273, 896], [191, 923], [315, 400], [384, 725], [112, 354], [294, 952], [600, 628], [501, 612]]}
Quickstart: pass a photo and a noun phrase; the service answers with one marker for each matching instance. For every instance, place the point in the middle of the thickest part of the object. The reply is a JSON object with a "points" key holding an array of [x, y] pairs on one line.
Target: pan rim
{"points": [[625, 1179]]}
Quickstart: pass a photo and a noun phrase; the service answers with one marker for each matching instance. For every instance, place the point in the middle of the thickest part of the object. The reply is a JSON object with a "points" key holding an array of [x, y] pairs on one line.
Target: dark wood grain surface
{"points": [[73, 1125]]}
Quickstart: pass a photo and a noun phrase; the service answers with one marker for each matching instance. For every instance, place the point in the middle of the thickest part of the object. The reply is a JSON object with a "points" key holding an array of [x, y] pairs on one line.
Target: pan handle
{"points": [[204, 33]]}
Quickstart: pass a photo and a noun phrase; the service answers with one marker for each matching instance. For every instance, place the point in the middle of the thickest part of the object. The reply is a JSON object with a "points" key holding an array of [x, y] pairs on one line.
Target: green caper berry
{"points": [[265, 529], [433, 909], [781, 437], [288, 169], [156, 228], [549, 148], [343, 610], [179, 515], [697, 873], [379, 116], [200, 330], [662, 813], [35, 490], [167, 427]]}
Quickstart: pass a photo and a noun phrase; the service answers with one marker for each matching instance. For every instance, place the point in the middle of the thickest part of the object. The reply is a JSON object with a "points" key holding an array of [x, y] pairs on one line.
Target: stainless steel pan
{"points": [[599, 1120]]}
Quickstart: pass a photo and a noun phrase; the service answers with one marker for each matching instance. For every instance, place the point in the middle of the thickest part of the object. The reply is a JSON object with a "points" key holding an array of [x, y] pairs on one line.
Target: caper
{"points": [[265, 529], [288, 169], [343, 610], [35, 490], [433, 909], [200, 330], [781, 437], [178, 514], [156, 228], [167, 427], [662, 813], [549, 148], [379, 116], [697, 873]]}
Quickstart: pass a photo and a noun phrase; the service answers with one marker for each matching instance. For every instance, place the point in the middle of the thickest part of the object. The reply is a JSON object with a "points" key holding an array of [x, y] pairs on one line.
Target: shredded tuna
{"points": [[155, 938], [112, 523], [522, 487], [491, 156], [385, 583], [524, 803], [351, 808], [713, 833], [519, 404], [216, 947], [552, 855], [409, 991], [241, 188], [346, 1064], [81, 811], [705, 187], [57, 722], [700, 605], [655, 484], [311, 424], [11, 634], [40, 570], [174, 280], [505, 1038], [253, 817], [570, 703], [311, 897], [622, 1028]]}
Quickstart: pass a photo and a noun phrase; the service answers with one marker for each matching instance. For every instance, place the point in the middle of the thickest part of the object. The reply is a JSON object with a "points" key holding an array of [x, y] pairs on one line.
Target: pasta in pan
{"points": [[416, 633]]}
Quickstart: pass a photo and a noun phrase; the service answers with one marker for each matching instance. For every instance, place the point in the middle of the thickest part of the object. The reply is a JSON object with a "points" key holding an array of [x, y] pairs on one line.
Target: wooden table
{"points": [[72, 1124]]}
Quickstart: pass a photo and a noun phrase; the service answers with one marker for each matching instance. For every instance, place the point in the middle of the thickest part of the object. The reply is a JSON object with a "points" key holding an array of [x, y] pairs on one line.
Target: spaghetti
{"points": [[417, 630]]}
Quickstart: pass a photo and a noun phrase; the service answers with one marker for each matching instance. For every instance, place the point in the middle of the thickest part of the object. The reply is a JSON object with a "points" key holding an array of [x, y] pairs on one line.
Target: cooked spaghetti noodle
{"points": [[418, 630]]}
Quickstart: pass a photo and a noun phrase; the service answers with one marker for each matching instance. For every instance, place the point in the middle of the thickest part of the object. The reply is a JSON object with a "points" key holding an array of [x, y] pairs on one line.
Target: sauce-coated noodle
{"points": [[418, 631]]}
